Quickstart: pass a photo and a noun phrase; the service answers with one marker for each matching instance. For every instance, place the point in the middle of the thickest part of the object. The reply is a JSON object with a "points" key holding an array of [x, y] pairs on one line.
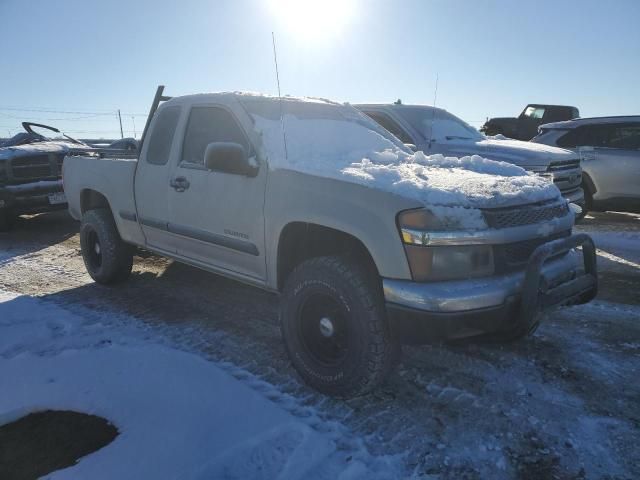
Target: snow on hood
{"points": [[7, 153], [357, 150]]}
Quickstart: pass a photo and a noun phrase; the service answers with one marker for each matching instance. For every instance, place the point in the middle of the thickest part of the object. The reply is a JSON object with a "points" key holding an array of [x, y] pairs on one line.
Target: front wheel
{"points": [[334, 326], [107, 258]]}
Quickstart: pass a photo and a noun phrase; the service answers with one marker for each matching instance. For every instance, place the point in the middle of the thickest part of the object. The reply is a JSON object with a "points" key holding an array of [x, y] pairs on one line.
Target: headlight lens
{"points": [[452, 262]]}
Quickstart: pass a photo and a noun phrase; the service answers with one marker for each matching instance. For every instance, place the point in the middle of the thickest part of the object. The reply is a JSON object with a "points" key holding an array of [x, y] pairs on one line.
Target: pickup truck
{"points": [[30, 168], [525, 126], [368, 244], [434, 130]]}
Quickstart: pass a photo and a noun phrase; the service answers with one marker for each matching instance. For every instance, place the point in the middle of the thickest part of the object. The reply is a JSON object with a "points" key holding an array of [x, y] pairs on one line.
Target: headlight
{"points": [[452, 262], [415, 226]]}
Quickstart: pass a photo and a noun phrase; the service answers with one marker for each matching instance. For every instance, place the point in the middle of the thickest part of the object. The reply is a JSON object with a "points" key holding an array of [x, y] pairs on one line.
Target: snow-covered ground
{"points": [[178, 415], [185, 362]]}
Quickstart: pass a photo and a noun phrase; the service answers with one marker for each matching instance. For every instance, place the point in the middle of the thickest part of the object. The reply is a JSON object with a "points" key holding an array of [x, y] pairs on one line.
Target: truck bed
{"points": [[108, 178]]}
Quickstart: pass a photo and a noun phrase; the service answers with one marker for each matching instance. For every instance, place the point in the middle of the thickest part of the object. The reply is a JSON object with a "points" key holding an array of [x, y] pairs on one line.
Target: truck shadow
{"points": [[32, 233]]}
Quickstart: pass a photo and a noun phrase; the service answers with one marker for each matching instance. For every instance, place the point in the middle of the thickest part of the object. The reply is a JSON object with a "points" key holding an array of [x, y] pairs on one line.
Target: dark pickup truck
{"points": [[30, 172], [525, 126]]}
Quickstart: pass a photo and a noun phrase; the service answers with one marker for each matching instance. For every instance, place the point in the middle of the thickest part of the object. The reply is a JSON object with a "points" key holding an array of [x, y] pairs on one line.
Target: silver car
{"points": [[609, 148], [434, 130]]}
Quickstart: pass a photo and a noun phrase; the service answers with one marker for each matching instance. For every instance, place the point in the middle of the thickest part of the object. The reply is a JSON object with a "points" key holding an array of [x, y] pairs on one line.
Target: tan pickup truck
{"points": [[368, 244]]}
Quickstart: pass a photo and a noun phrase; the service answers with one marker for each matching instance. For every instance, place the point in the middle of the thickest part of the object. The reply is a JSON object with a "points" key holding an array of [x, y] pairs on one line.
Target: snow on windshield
{"points": [[335, 142]]}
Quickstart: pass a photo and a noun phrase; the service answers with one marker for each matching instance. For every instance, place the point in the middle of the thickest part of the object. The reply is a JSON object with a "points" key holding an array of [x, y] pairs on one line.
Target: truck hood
{"points": [[525, 154], [455, 189], [54, 146]]}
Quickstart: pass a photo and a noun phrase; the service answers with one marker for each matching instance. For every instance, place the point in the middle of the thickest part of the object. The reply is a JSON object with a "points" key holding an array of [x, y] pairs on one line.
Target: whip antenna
{"points": [[433, 112], [284, 133]]}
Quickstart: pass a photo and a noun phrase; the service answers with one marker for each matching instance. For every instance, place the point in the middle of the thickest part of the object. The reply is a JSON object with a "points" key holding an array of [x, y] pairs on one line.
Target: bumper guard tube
{"points": [[539, 295]]}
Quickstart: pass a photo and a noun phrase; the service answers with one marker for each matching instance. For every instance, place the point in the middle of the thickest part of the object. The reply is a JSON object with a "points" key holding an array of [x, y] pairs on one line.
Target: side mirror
{"points": [[229, 157], [411, 147]]}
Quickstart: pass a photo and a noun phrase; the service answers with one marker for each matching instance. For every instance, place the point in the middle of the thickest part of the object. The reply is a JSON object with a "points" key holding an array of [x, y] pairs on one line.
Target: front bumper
{"points": [[463, 308], [31, 197], [574, 196]]}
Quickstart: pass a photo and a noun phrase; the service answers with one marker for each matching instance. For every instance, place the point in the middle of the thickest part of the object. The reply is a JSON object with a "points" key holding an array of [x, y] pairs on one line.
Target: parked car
{"points": [[305, 198], [434, 130], [610, 151], [30, 169], [525, 127]]}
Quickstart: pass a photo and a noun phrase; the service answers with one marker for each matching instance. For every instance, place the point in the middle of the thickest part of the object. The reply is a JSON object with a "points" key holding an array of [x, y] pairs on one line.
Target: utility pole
{"points": [[133, 119], [120, 118]]}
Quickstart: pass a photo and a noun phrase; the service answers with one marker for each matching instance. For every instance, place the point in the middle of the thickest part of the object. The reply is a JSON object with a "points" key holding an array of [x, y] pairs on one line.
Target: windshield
{"points": [[446, 126], [318, 133]]}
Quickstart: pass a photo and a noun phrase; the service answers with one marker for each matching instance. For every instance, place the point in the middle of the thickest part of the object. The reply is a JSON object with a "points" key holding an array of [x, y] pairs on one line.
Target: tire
{"points": [[588, 199], [106, 257], [334, 327], [5, 220]]}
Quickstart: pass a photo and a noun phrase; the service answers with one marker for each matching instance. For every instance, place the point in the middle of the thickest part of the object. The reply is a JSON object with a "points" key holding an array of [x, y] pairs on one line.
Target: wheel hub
{"points": [[326, 327], [96, 248]]}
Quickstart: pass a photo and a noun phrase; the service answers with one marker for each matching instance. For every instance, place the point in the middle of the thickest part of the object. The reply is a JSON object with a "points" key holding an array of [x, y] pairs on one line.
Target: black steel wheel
{"points": [[107, 258], [334, 326]]}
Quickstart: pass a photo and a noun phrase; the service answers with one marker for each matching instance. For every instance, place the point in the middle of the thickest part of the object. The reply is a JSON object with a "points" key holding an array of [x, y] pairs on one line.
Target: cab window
{"points": [[162, 135], [534, 112], [208, 125]]}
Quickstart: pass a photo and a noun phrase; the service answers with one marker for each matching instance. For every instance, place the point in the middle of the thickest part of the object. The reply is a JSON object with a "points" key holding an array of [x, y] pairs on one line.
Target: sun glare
{"points": [[313, 20]]}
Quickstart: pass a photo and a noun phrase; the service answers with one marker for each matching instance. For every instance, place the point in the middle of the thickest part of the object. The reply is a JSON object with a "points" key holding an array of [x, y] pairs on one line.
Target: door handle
{"points": [[179, 184]]}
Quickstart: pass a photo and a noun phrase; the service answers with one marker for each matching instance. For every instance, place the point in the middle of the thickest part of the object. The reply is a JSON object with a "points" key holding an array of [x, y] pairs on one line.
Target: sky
{"points": [[74, 63]]}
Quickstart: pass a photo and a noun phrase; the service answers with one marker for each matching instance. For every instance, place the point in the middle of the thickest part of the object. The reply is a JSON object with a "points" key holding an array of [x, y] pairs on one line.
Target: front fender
{"points": [[365, 213]]}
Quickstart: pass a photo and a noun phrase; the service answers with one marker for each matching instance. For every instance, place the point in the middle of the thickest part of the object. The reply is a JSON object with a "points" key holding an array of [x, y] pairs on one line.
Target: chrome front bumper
{"points": [[575, 196], [467, 295]]}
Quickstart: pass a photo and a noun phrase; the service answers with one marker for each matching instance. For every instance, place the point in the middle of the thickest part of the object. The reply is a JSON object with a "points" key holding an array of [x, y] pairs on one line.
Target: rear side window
{"points": [[162, 135], [208, 125], [625, 137], [390, 125], [569, 139]]}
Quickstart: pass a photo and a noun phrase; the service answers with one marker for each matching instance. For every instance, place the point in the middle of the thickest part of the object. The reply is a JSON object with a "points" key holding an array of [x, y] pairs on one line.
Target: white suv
{"points": [[609, 148]]}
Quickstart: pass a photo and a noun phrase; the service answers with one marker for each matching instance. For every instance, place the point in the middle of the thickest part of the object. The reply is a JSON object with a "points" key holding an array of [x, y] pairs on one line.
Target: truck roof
{"points": [[395, 105], [577, 122], [244, 96]]}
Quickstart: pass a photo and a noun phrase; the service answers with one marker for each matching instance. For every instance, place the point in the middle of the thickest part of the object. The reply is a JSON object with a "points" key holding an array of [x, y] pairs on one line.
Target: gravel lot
{"points": [[564, 403]]}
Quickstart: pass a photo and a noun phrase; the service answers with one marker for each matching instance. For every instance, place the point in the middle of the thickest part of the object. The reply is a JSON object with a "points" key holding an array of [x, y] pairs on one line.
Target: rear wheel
{"points": [[334, 326], [107, 258]]}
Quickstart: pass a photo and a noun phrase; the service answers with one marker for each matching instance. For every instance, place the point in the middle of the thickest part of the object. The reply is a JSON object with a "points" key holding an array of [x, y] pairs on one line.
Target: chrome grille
{"points": [[564, 165], [33, 167], [525, 215], [512, 256]]}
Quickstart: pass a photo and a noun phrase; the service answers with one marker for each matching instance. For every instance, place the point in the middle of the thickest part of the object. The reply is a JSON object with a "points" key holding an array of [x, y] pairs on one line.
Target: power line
{"points": [[67, 112]]}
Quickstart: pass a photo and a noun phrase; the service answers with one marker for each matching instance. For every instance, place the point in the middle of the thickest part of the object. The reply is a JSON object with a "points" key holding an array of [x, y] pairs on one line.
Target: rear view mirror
{"points": [[229, 158]]}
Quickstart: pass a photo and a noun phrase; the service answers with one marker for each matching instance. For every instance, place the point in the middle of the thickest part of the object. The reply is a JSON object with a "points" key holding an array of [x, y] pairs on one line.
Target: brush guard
{"points": [[573, 288]]}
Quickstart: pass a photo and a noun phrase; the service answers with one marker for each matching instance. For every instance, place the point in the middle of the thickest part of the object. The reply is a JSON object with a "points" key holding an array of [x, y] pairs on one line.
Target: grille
{"points": [[511, 256], [565, 165], [526, 215], [33, 166]]}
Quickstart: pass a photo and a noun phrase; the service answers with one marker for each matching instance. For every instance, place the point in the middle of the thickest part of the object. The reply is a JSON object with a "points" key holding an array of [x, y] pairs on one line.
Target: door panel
{"points": [[152, 178], [620, 170], [216, 218]]}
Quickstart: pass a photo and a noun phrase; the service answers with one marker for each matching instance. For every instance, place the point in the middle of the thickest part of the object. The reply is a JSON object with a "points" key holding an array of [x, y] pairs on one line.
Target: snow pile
{"points": [[355, 151], [178, 415]]}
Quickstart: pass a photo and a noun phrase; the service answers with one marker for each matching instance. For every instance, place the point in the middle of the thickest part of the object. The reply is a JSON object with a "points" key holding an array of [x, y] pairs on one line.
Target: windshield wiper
{"points": [[457, 137]]}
